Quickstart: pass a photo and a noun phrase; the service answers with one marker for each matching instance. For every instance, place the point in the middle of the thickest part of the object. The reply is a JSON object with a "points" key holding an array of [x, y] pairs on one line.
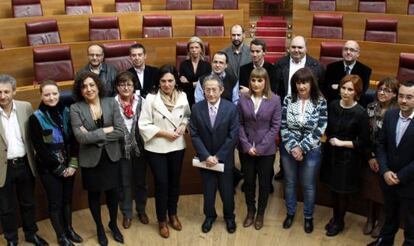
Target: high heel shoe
{"points": [[116, 233], [102, 239]]}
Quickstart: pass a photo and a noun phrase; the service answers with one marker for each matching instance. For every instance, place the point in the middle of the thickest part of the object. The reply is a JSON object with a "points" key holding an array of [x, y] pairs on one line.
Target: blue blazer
{"points": [[220, 139], [399, 159], [260, 128]]}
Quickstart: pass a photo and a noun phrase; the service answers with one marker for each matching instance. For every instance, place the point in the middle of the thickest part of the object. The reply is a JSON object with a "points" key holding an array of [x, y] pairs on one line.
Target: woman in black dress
{"points": [[346, 148], [98, 127], [193, 68], [51, 136]]}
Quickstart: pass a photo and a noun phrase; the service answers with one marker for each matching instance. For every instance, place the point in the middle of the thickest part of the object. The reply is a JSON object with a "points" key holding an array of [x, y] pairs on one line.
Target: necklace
{"points": [[346, 106], [96, 110]]}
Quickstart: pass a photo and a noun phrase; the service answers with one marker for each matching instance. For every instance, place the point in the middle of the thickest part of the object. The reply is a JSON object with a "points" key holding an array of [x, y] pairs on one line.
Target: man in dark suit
{"points": [[17, 166], [214, 128], [296, 59], [257, 52], [349, 65], [396, 160], [146, 75]]}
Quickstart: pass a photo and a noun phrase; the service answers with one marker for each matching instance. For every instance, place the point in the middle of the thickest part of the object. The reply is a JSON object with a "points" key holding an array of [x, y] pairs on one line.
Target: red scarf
{"points": [[127, 107]]}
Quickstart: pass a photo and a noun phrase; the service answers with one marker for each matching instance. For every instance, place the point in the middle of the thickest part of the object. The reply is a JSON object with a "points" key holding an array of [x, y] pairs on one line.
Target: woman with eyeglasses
{"points": [[386, 98]]}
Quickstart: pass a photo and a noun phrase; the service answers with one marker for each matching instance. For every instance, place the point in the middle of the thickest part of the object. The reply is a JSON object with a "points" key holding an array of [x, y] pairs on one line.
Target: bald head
{"points": [[350, 51], [237, 35], [297, 48]]}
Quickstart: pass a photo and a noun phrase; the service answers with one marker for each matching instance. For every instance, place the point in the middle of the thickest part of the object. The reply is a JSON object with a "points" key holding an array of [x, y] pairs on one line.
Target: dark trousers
{"points": [[393, 205], [261, 167], [112, 198], [166, 169], [20, 182], [133, 185], [59, 192], [212, 181]]}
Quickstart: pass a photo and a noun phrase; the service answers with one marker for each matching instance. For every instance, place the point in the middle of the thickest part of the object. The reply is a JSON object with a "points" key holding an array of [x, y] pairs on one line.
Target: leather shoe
{"points": [[126, 222], [9, 243], [207, 224], [175, 223], [230, 225], [164, 232], [64, 241], [334, 229], [379, 242], [308, 225], [143, 218], [102, 239], [73, 236], [368, 227], [287, 223], [248, 221], [36, 240], [258, 223], [330, 223], [116, 233]]}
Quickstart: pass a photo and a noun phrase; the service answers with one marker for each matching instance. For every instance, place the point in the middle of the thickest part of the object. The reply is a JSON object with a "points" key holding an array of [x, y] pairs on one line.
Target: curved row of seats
{"points": [[369, 6], [28, 8]]}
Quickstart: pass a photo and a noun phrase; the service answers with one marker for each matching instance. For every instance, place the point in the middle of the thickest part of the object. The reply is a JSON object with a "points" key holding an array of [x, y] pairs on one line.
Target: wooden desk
{"points": [[393, 6], [76, 28], [383, 58], [354, 24]]}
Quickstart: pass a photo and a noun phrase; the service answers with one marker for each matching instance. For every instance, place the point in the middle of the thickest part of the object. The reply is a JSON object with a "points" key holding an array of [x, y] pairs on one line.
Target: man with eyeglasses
{"points": [[396, 162], [348, 65], [106, 72]]}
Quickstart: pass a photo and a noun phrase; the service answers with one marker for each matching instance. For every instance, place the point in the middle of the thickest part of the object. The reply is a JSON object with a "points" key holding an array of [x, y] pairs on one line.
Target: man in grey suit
{"points": [[238, 53], [17, 166], [214, 128]]}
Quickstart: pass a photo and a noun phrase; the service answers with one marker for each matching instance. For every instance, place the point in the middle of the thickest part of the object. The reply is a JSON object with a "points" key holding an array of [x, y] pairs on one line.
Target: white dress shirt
{"points": [[15, 144]]}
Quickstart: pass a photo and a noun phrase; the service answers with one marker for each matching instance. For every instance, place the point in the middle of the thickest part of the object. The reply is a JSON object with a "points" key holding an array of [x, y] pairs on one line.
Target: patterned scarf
{"points": [[127, 107], [169, 101]]}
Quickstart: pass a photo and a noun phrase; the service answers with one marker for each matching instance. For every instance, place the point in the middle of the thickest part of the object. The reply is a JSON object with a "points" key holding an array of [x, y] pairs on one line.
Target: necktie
{"points": [[347, 70], [212, 113]]}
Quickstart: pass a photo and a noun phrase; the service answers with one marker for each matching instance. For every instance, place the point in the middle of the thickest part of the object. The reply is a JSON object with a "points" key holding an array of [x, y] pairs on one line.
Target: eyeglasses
{"points": [[126, 85], [406, 97], [384, 90]]}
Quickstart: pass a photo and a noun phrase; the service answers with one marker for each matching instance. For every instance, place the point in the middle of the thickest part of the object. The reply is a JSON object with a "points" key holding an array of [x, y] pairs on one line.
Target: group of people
{"points": [[122, 122]]}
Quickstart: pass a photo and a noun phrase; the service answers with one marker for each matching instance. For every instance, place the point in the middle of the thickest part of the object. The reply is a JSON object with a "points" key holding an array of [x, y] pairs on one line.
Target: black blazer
{"points": [[246, 69], [282, 73], [336, 71], [186, 70], [150, 79], [219, 140], [399, 159]]}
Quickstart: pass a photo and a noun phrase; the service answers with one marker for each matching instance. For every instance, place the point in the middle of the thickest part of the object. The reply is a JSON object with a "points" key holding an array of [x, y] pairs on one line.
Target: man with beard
{"points": [[106, 72], [238, 53]]}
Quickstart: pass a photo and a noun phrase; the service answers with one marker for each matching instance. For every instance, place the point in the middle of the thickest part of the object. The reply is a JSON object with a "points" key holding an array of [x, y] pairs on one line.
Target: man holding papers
{"points": [[214, 128]]}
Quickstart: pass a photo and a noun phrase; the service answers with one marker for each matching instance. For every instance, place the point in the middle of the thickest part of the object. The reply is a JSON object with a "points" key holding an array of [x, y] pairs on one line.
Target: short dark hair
{"points": [[124, 77], [356, 82], [305, 75], [78, 84], [137, 46], [259, 42], [8, 79], [223, 54], [47, 82], [407, 83]]}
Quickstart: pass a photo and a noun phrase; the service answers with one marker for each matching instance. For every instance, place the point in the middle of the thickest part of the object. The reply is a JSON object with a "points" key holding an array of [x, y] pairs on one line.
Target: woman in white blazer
{"points": [[162, 123]]}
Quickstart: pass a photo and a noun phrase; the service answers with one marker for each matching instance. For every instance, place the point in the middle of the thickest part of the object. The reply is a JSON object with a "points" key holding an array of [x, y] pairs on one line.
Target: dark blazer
{"points": [[260, 128], [336, 71], [186, 70], [220, 139], [150, 79], [399, 159], [245, 71], [282, 73], [107, 75], [92, 142]]}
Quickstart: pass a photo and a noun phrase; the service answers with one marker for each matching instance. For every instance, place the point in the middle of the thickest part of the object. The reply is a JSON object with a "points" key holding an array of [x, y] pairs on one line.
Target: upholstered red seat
{"points": [[42, 32], [322, 5], [381, 30], [225, 4], [128, 6], [410, 8], [104, 28], [209, 25], [330, 52], [117, 54], [78, 7], [53, 63], [270, 32], [406, 67], [178, 5], [157, 26], [373, 6], [26, 8], [327, 26], [181, 53]]}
